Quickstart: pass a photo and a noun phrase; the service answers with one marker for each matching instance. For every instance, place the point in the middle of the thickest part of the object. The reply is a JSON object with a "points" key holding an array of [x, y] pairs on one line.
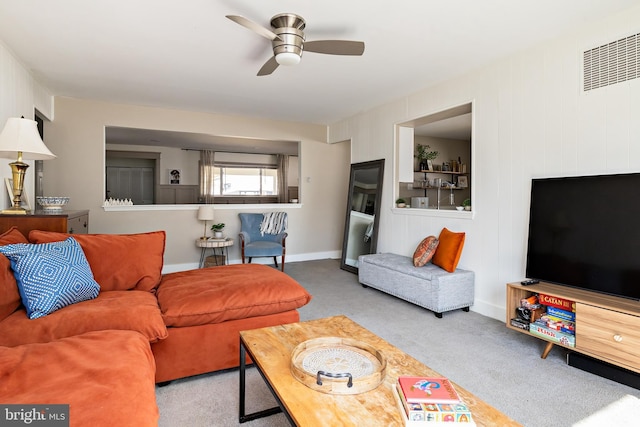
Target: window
{"points": [[245, 181]]}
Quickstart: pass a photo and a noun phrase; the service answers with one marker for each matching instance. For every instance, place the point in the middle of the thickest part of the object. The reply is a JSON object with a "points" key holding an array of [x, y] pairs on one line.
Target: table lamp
{"points": [[21, 137], [205, 213]]}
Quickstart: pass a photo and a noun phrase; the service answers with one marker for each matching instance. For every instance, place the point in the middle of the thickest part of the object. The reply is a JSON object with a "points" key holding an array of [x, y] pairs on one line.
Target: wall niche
{"points": [[445, 180]]}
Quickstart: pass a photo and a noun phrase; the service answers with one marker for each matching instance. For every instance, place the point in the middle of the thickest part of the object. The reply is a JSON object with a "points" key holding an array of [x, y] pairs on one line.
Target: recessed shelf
{"points": [[445, 172]]}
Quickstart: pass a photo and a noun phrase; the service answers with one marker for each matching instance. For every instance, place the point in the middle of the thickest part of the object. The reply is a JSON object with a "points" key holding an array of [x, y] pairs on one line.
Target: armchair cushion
{"points": [[262, 249]]}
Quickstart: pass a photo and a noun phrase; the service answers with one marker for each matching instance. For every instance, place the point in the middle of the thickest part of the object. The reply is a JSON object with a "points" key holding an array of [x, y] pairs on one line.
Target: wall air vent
{"points": [[612, 63]]}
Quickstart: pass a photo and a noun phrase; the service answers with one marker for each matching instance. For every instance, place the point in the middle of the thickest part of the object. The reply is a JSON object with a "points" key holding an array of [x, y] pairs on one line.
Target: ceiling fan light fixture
{"points": [[288, 58], [288, 41]]}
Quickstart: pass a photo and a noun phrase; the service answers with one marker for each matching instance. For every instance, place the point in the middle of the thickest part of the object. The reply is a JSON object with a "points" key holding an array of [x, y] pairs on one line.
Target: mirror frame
{"points": [[376, 218]]}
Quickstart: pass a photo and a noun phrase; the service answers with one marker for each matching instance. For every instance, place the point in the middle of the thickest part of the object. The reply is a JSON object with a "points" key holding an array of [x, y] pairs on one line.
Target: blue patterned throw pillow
{"points": [[51, 275]]}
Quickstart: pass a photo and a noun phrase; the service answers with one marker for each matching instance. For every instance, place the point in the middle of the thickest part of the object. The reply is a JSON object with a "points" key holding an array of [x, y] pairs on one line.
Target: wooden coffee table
{"points": [[270, 349]]}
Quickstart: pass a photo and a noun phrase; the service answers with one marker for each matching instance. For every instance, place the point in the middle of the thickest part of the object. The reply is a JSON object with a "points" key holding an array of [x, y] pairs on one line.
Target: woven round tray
{"points": [[338, 365]]}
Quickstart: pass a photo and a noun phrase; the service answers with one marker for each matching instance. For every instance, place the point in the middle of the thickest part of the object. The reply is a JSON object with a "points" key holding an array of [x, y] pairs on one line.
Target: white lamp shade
{"points": [[21, 135], [205, 213], [288, 58]]}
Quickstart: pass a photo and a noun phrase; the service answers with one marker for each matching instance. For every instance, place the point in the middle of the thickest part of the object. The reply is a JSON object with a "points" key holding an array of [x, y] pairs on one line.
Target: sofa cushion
{"points": [[106, 378], [118, 261], [449, 250], [218, 294], [123, 310], [425, 250], [9, 294], [51, 275]]}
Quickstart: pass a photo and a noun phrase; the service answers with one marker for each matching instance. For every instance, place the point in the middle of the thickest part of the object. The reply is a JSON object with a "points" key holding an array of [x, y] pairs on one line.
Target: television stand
{"points": [[547, 350], [607, 327]]}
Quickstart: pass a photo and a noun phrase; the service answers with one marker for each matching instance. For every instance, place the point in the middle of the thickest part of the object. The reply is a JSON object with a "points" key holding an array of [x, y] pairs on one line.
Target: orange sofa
{"points": [[106, 378], [189, 321]]}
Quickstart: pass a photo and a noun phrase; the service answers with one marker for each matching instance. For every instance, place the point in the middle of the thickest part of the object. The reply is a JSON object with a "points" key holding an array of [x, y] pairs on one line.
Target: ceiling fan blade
{"points": [[268, 67], [335, 47], [258, 29]]}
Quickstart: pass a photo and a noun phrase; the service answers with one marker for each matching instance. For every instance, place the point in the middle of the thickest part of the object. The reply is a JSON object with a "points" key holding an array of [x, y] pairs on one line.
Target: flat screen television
{"points": [[584, 232]]}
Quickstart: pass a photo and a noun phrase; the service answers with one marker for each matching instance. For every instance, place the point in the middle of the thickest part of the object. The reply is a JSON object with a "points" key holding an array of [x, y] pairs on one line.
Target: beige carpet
{"points": [[501, 366]]}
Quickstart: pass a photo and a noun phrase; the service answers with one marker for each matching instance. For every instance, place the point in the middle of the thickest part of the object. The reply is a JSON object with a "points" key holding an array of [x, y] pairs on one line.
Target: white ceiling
{"points": [[187, 55], [458, 127]]}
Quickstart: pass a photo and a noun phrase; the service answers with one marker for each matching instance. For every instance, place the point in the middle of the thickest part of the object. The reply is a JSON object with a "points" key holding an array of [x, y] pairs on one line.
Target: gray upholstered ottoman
{"points": [[430, 286]]}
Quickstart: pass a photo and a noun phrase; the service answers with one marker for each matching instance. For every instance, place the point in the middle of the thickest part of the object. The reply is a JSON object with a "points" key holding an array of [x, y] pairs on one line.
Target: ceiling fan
{"points": [[288, 41]]}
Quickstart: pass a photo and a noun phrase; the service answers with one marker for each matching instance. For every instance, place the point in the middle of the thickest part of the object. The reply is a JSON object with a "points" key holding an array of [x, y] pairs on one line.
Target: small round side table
{"points": [[213, 244]]}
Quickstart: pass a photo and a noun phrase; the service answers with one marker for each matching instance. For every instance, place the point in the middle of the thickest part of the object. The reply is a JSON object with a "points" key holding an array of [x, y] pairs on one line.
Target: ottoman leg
{"points": [[438, 315]]}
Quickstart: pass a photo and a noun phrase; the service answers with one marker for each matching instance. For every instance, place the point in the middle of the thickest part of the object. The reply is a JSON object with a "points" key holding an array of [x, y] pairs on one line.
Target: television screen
{"points": [[584, 232]]}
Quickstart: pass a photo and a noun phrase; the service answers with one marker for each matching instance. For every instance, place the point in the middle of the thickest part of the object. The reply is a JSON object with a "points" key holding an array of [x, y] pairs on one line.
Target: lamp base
{"points": [[18, 170], [14, 211]]}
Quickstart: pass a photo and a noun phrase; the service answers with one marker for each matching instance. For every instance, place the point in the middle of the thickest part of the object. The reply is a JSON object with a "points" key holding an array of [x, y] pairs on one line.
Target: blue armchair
{"points": [[255, 244]]}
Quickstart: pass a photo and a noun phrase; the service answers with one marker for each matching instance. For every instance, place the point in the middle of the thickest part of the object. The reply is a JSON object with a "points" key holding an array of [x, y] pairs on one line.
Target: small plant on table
{"points": [[217, 229]]}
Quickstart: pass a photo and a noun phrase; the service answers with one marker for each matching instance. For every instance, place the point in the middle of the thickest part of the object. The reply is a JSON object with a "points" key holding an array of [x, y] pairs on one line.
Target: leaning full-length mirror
{"points": [[363, 212]]}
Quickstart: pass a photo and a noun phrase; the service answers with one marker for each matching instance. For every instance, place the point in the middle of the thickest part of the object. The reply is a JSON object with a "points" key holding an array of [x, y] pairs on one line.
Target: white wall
{"points": [[77, 137], [530, 120], [20, 94]]}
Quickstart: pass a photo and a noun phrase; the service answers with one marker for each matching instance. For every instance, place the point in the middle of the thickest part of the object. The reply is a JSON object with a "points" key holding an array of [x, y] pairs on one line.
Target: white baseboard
{"points": [[489, 310], [172, 268]]}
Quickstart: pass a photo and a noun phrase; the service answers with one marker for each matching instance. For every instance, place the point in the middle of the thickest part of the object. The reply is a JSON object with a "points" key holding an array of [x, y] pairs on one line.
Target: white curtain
{"points": [[283, 177], [207, 181]]}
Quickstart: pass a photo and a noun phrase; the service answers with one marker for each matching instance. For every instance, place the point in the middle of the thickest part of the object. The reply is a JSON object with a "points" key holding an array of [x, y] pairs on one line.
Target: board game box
{"points": [[519, 323], [561, 303], [427, 389], [563, 314], [433, 414], [541, 330]]}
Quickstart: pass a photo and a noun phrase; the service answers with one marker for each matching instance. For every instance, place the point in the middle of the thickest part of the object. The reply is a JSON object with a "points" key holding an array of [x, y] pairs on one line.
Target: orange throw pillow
{"points": [[9, 294], [449, 250], [425, 251], [119, 262]]}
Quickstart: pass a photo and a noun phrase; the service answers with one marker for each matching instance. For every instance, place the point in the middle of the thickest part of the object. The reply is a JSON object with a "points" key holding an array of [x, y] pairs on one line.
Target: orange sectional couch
{"points": [[188, 322], [106, 378]]}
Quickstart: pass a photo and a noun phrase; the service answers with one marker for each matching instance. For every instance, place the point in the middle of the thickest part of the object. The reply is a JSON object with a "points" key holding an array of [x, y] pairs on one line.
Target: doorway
{"points": [[131, 175]]}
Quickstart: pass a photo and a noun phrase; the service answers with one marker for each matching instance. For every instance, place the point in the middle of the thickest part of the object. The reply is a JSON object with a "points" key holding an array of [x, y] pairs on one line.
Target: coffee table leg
{"points": [[260, 414]]}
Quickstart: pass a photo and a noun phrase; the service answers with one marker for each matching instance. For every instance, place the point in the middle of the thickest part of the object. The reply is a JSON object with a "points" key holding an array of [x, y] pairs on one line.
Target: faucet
{"points": [[452, 198]]}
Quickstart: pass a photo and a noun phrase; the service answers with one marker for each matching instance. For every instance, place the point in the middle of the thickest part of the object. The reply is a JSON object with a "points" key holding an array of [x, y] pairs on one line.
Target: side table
{"points": [[213, 244]]}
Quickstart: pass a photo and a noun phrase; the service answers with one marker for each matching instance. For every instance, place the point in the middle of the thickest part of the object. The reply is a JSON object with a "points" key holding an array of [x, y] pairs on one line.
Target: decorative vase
{"points": [[217, 234], [423, 165]]}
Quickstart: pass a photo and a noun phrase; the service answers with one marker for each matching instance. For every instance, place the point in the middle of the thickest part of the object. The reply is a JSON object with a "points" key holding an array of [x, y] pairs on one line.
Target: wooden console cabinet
{"points": [[607, 327], [74, 222]]}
